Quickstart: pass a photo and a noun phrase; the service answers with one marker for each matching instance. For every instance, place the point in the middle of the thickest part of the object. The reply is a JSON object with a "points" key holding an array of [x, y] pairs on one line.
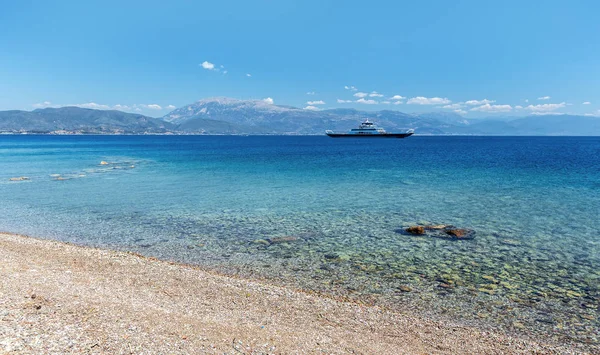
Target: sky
{"points": [[474, 58]]}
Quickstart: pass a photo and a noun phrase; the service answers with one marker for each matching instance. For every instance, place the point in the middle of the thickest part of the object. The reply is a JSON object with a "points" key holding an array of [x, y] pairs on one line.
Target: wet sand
{"points": [[62, 298]]}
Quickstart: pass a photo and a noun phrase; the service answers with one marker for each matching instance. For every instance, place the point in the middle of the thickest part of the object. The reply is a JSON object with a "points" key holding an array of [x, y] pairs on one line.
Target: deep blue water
{"points": [[534, 203]]}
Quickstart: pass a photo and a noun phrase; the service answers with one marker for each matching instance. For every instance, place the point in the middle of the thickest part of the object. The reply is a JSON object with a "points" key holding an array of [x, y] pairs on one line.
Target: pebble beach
{"points": [[61, 298]]}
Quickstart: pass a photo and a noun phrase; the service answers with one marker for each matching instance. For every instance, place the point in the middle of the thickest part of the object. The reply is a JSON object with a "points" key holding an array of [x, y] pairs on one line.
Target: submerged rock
{"points": [[344, 257], [490, 278], [285, 239], [453, 233], [486, 290], [443, 231], [510, 242], [437, 226], [416, 230], [573, 294], [331, 256], [459, 233], [275, 240], [404, 288]]}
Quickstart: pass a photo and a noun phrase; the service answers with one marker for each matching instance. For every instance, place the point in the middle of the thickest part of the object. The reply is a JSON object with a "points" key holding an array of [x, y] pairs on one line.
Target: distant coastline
{"points": [[223, 116], [34, 133]]}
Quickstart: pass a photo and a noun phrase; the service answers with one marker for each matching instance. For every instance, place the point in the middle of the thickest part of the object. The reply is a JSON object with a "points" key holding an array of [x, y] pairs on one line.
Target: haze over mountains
{"points": [[232, 116], [80, 120]]}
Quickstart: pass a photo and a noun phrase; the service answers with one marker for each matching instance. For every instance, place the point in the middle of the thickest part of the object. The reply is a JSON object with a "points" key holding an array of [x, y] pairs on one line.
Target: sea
{"points": [[330, 216]]}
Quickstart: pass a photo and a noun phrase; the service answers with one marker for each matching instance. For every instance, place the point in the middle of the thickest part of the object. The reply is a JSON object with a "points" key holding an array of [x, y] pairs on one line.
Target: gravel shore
{"points": [[58, 298]]}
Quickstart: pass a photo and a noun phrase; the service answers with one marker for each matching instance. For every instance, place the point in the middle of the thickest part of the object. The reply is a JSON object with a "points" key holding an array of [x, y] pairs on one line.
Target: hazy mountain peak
{"points": [[220, 100], [214, 107]]}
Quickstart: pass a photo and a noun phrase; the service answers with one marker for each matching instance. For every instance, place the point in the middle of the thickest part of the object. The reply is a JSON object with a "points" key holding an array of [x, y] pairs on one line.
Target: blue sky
{"points": [[476, 58]]}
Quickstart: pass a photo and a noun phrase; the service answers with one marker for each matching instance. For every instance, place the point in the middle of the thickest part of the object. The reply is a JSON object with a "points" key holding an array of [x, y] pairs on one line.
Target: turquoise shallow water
{"points": [[534, 266]]}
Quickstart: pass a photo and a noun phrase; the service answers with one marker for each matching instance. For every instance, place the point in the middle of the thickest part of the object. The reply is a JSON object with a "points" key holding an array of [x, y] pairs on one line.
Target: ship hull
{"points": [[381, 135]]}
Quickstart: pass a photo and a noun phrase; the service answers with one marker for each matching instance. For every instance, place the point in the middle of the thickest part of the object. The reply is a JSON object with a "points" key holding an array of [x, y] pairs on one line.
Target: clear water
{"points": [[534, 266]]}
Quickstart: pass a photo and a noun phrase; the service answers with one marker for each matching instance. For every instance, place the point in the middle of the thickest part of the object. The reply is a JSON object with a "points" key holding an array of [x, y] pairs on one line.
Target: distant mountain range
{"points": [[231, 116], [80, 120]]}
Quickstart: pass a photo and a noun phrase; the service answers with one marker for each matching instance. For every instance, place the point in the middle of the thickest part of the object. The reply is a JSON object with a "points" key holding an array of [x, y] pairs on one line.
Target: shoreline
{"points": [[62, 297]]}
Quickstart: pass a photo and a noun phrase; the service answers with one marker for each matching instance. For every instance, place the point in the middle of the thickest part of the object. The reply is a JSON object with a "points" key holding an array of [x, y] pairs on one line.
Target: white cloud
{"points": [[420, 100], [587, 103], [361, 94], [366, 102], [397, 97], [453, 106], [311, 93], [479, 102], [211, 66], [544, 98], [492, 108], [208, 65], [248, 74], [92, 105], [398, 102], [526, 100], [375, 94], [43, 104], [269, 101], [385, 102], [351, 88], [318, 102], [340, 101], [518, 107], [545, 107], [311, 108], [461, 112], [536, 113], [121, 107]]}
